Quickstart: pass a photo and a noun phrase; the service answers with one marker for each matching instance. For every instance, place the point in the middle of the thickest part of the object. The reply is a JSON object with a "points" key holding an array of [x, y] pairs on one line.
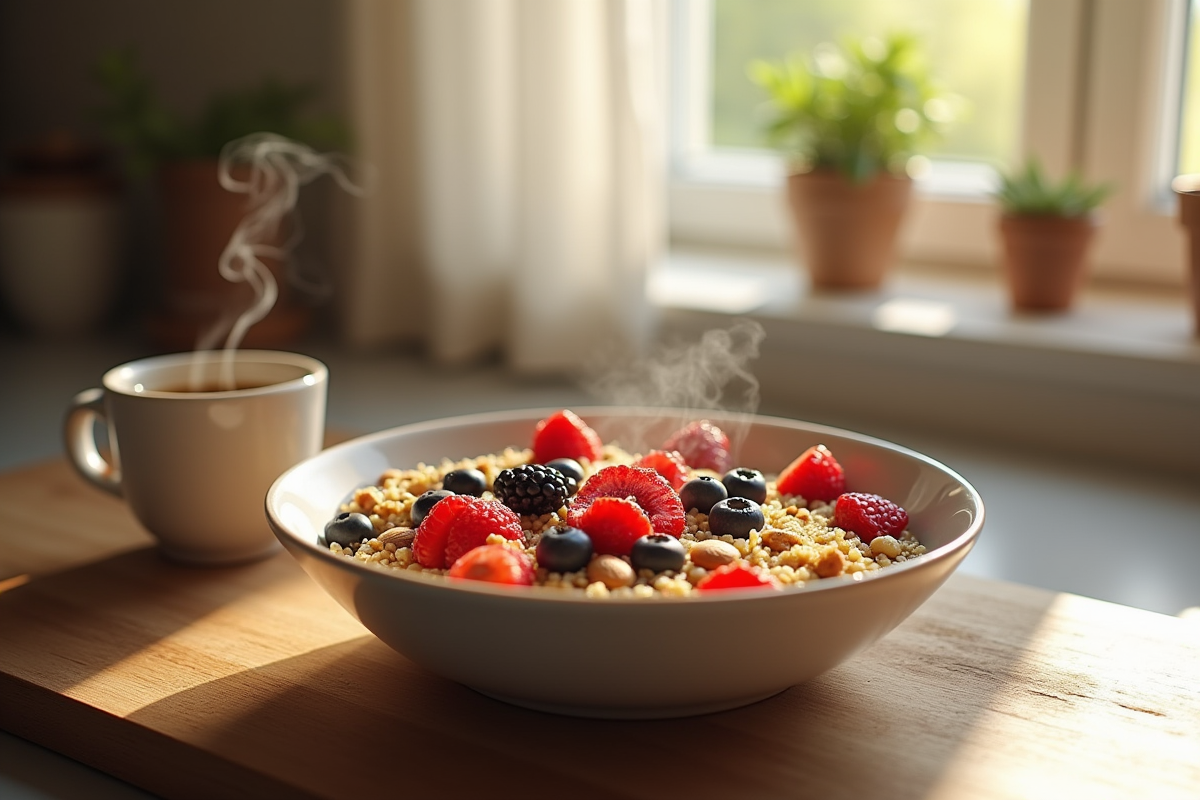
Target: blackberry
{"points": [[532, 489]]}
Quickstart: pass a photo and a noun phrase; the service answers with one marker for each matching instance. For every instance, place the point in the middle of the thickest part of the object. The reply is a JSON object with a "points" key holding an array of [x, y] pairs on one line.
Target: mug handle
{"points": [[79, 432]]}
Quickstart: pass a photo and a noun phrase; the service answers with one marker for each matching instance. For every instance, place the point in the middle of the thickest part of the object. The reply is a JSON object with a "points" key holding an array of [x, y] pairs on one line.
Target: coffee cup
{"points": [[195, 440]]}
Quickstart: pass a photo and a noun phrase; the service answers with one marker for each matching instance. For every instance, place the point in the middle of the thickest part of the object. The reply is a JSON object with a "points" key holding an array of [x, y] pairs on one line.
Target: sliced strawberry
{"points": [[869, 515], [564, 435], [668, 463], [737, 575], [494, 563], [459, 523], [614, 524], [702, 445], [815, 475], [644, 486]]}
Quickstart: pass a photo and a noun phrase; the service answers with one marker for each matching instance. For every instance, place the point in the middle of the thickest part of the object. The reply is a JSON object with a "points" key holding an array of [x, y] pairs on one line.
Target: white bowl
{"points": [[635, 658]]}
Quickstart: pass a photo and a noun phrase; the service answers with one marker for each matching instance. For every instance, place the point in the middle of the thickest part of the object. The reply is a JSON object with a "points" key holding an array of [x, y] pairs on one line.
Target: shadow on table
{"points": [[354, 719], [58, 630]]}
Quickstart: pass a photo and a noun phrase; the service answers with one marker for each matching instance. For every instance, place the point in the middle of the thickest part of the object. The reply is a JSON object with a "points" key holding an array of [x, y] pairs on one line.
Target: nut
{"points": [[831, 563], [885, 546], [401, 537], [612, 571], [713, 553], [779, 540]]}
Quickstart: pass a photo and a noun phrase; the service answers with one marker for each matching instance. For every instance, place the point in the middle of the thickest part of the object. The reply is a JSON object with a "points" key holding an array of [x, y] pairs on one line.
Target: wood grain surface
{"points": [[251, 682]]}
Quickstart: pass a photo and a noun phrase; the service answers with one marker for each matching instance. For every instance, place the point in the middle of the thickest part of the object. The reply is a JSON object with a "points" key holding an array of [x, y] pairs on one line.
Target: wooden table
{"points": [[251, 682]]}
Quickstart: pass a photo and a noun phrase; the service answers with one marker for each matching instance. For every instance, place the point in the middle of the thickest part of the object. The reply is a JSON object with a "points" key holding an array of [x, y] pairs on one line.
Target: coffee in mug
{"points": [[197, 439]]}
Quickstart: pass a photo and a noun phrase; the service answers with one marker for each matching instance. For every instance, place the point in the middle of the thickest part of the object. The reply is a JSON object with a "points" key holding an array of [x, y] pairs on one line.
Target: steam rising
{"points": [[709, 375], [277, 168]]}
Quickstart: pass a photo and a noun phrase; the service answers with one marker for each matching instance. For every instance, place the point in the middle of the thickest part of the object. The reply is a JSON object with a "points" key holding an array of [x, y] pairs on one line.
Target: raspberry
{"points": [[565, 435], [532, 489], [644, 486], [614, 524], [702, 445], [494, 563], [669, 464], [869, 515], [459, 523], [815, 475], [737, 575]]}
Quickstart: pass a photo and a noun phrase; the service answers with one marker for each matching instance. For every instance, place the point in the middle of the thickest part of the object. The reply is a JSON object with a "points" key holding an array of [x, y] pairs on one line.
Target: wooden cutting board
{"points": [[251, 682]]}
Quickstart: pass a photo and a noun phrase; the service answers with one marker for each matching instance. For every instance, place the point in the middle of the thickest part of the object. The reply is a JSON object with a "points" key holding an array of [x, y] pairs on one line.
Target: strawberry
{"points": [[614, 524], [644, 486], [564, 435], [737, 575], [459, 523], [869, 515], [815, 475], [702, 445], [494, 563], [668, 463]]}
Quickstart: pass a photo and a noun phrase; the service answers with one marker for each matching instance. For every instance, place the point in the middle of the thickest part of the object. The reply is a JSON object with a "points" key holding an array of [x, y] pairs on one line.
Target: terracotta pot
{"points": [[1187, 189], [847, 231], [198, 217], [1045, 259]]}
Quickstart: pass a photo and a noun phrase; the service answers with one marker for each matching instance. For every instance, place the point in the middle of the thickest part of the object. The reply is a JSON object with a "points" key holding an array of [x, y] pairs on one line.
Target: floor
{"points": [[1098, 529]]}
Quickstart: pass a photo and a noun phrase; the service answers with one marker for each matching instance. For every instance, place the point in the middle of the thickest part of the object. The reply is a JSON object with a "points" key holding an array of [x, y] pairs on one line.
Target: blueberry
{"points": [[570, 468], [736, 517], [348, 528], [747, 483], [564, 549], [465, 481], [422, 504], [701, 493], [658, 552]]}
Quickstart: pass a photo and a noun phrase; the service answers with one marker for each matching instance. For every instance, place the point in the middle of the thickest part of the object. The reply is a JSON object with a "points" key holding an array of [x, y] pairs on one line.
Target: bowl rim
{"points": [[547, 594]]}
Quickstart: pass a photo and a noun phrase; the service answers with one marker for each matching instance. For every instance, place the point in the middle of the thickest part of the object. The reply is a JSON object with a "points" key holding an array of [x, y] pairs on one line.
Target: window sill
{"points": [[1119, 376]]}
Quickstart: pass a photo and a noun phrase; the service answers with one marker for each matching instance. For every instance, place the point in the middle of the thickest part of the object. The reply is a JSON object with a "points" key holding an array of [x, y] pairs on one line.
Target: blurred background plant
{"points": [[864, 107], [1026, 191], [148, 133]]}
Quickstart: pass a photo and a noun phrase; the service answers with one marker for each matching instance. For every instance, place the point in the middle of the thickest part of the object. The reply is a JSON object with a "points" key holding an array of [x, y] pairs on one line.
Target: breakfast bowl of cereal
{"points": [[625, 562]]}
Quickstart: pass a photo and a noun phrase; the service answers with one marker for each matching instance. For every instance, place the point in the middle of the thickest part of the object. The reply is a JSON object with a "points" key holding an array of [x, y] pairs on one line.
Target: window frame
{"points": [[1088, 64]]}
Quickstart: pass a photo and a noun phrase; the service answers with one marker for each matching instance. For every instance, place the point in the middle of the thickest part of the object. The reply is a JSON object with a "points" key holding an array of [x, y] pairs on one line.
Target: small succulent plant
{"points": [[1028, 192]]}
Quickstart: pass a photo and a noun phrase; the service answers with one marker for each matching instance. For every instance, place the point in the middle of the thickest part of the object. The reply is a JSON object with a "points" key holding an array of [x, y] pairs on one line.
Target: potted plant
{"points": [[1046, 230], [849, 119], [198, 215]]}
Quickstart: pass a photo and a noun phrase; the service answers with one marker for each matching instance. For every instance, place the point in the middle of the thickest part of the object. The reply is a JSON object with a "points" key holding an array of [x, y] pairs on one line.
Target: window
{"points": [[1088, 84]]}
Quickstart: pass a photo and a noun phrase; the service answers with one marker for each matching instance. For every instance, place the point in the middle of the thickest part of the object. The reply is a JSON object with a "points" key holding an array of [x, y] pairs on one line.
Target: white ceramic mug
{"points": [[193, 457]]}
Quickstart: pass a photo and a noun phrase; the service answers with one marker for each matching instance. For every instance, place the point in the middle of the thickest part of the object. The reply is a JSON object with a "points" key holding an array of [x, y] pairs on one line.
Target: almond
{"points": [[713, 553], [779, 540], [612, 571], [401, 537]]}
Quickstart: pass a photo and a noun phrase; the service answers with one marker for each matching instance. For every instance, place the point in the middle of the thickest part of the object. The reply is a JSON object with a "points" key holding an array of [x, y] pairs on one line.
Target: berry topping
{"points": [[658, 553], [736, 517], [702, 445], [494, 563], [667, 463], [465, 481], [702, 493], [348, 528], [564, 435], [738, 575], [815, 475], [570, 468], [645, 486], [564, 549], [747, 483], [614, 524], [459, 523], [532, 489], [426, 501], [869, 515]]}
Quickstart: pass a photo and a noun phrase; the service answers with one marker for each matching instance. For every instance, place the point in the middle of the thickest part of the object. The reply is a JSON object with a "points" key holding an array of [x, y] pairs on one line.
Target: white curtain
{"points": [[518, 150]]}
